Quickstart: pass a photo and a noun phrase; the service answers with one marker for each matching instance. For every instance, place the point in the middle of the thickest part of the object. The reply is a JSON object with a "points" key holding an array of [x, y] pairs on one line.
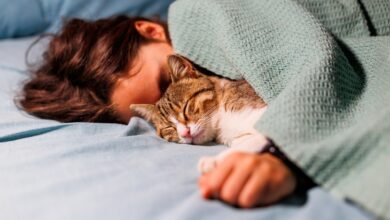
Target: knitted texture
{"points": [[325, 78]]}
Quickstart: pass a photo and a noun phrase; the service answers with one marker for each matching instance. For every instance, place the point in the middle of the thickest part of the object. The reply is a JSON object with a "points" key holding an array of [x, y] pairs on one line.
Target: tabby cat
{"points": [[196, 109]]}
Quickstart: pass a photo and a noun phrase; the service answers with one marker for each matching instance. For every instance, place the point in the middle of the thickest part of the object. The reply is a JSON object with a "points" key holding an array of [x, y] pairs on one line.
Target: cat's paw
{"points": [[206, 164]]}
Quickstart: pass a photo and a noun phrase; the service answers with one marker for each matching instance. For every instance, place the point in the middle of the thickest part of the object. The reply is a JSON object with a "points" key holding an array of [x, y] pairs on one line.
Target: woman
{"points": [[92, 71]]}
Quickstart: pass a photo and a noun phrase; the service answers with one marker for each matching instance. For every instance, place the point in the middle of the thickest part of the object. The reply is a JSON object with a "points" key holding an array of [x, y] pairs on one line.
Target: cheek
{"points": [[152, 94], [151, 86], [148, 89]]}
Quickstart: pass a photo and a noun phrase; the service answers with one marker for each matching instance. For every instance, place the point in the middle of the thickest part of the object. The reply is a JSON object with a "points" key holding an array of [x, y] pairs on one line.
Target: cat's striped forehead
{"points": [[183, 97], [187, 87], [180, 92]]}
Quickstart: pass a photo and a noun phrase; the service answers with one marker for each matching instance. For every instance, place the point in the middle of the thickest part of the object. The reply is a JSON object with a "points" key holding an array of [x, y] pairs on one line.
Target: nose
{"points": [[186, 132]]}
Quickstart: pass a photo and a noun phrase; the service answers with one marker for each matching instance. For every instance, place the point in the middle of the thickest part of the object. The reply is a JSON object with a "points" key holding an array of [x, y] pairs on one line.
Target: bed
{"points": [[52, 170]]}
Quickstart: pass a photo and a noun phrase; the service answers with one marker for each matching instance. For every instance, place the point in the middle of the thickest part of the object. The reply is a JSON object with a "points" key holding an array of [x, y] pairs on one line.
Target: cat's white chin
{"points": [[197, 140], [185, 140], [194, 140], [203, 137]]}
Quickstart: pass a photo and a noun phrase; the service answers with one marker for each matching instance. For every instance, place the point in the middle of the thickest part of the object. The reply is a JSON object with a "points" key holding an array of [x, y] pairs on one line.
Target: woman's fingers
{"points": [[235, 182], [270, 182], [211, 183], [256, 188]]}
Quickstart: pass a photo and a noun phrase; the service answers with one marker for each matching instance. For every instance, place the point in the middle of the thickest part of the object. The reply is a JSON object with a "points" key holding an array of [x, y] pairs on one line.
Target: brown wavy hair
{"points": [[79, 69]]}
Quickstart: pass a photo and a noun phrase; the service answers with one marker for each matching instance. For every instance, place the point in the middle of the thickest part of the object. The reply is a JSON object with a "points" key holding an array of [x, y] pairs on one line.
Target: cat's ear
{"points": [[180, 68], [146, 111]]}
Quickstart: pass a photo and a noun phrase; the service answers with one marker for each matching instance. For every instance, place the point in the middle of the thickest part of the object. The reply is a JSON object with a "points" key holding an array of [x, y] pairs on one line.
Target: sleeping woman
{"points": [[92, 71]]}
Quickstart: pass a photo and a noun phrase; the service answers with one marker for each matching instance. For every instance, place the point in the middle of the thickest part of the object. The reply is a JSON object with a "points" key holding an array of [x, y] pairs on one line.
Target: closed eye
{"points": [[185, 109], [166, 130], [169, 127], [168, 133]]}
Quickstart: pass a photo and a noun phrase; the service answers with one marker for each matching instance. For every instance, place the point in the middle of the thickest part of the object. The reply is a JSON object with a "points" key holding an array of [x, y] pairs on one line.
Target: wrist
{"points": [[303, 182]]}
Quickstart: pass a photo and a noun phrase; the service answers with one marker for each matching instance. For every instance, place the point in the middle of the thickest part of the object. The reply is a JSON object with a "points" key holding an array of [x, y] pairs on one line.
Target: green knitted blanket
{"points": [[324, 69]]}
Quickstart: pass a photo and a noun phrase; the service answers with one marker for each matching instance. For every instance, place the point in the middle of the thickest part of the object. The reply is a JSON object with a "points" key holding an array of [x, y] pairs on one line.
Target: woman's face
{"points": [[146, 80]]}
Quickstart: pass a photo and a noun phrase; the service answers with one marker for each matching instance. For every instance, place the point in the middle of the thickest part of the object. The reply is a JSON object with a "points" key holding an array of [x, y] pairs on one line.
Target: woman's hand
{"points": [[248, 180]]}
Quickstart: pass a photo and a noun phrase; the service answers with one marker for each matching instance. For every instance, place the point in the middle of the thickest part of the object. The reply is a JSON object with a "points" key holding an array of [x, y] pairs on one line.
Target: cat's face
{"points": [[184, 113]]}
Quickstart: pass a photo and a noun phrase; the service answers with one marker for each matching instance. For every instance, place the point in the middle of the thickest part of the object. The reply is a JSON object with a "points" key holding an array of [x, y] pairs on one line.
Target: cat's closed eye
{"points": [[190, 109], [169, 133], [199, 104]]}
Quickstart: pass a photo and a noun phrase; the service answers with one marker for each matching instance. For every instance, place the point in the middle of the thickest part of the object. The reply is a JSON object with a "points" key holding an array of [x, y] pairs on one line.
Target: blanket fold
{"points": [[324, 76]]}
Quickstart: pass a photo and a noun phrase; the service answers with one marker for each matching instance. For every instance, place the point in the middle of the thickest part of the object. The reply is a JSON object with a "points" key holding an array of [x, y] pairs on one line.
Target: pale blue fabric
{"points": [[82, 171], [26, 17]]}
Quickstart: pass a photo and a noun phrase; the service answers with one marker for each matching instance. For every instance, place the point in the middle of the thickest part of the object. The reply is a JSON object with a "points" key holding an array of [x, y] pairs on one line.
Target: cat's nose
{"points": [[186, 133]]}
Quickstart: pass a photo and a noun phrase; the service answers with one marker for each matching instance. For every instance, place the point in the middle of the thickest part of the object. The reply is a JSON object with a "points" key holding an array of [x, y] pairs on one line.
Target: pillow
{"points": [[21, 18], [28, 17]]}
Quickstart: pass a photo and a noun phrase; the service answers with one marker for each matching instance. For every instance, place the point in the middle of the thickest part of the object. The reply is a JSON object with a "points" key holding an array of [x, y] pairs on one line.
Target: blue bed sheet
{"points": [[52, 170]]}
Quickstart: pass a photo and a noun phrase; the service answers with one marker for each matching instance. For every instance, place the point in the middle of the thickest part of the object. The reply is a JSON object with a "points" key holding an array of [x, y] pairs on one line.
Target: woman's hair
{"points": [[80, 68]]}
